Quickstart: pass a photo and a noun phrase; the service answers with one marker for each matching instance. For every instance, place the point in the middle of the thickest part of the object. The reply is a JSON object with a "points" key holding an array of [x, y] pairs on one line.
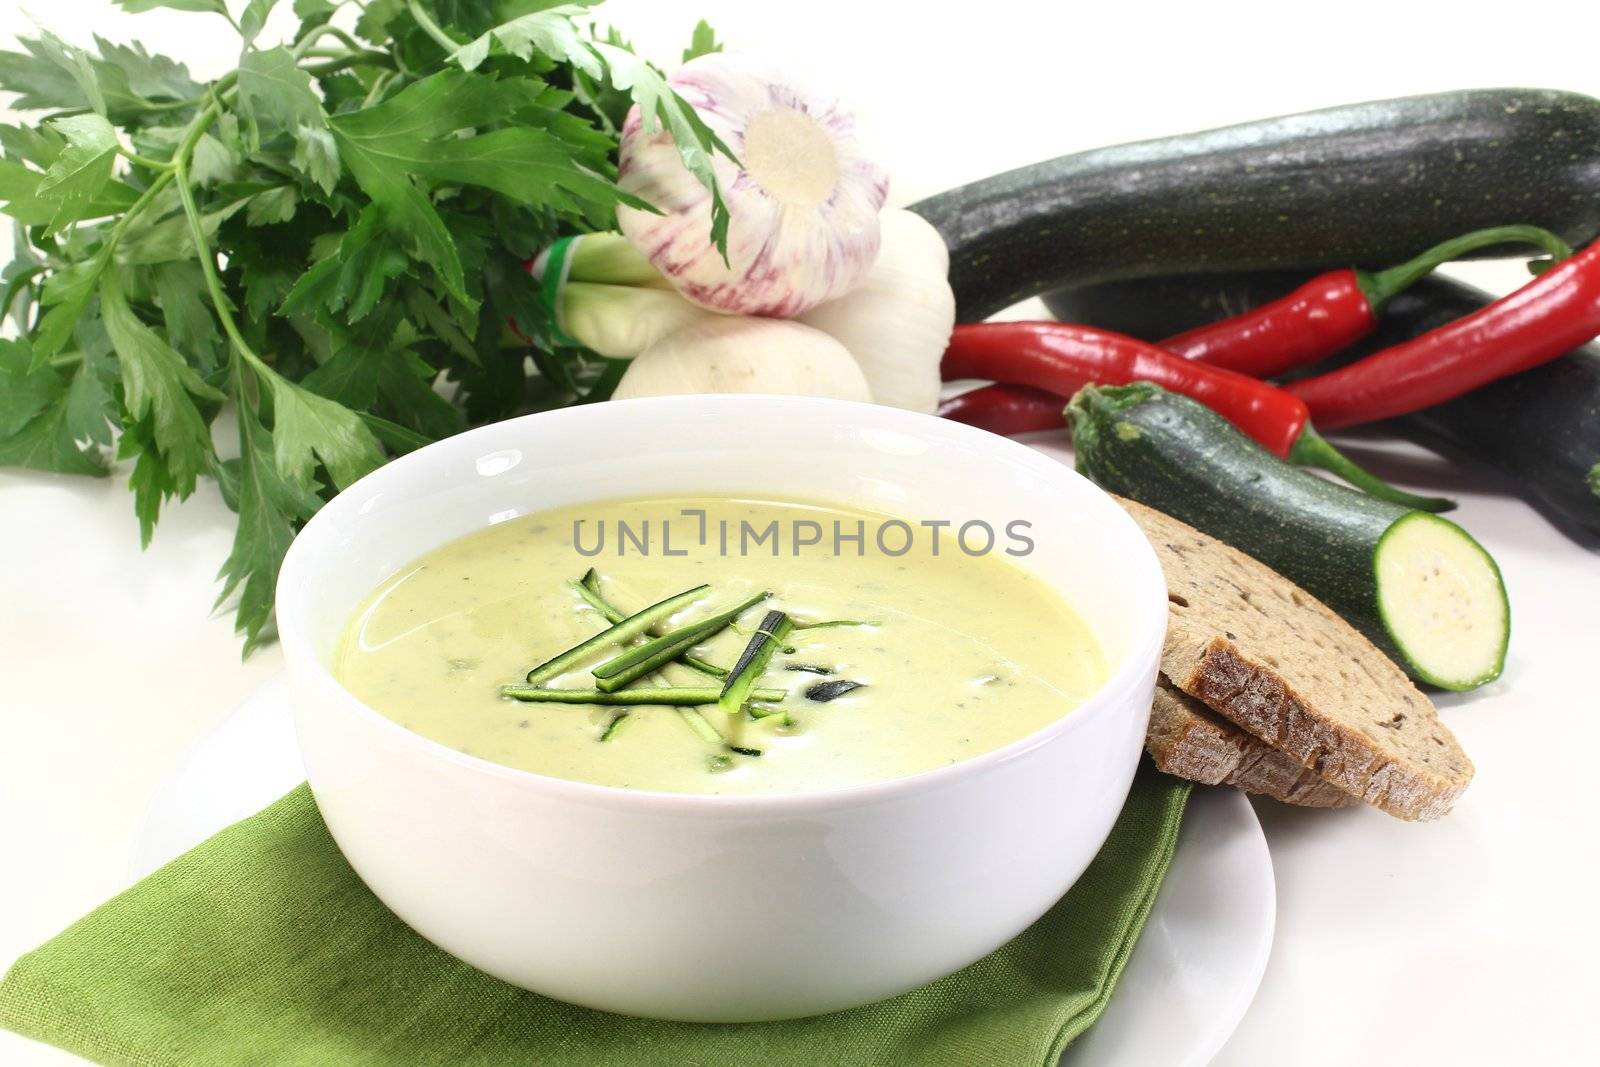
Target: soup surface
{"points": [[954, 654]]}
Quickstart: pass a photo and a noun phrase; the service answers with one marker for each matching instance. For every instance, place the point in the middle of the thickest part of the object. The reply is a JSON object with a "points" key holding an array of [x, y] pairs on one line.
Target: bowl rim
{"points": [[1148, 631]]}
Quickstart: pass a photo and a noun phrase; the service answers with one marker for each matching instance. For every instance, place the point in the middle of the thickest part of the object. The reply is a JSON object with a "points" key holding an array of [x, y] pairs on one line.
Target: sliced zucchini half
{"points": [[1441, 597]]}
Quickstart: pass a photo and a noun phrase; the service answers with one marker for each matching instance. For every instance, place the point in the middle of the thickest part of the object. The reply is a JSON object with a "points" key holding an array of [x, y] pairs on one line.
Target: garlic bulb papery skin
{"points": [[803, 211], [897, 323], [621, 321], [739, 354]]}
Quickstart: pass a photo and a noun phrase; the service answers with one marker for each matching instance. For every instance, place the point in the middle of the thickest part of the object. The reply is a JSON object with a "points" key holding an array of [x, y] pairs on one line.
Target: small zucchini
{"points": [[1417, 585]]}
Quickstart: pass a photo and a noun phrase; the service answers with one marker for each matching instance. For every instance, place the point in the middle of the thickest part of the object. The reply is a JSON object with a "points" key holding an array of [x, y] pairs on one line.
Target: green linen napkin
{"points": [[261, 946]]}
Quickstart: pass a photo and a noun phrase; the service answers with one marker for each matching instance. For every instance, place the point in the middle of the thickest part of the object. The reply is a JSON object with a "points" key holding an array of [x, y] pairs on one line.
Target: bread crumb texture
{"points": [[1271, 659]]}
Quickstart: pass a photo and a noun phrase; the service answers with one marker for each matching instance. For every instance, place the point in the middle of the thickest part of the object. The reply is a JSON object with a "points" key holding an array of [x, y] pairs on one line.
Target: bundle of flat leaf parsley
{"points": [[325, 243]]}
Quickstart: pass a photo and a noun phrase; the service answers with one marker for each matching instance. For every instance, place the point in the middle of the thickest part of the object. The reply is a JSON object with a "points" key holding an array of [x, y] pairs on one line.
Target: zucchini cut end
{"points": [[1442, 601]]}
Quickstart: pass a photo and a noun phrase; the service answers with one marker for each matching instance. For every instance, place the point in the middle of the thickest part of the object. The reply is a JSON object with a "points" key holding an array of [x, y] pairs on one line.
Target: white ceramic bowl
{"points": [[714, 908]]}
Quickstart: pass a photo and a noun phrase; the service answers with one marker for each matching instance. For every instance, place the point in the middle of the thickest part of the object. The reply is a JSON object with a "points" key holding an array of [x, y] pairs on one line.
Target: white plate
{"points": [[1186, 986]]}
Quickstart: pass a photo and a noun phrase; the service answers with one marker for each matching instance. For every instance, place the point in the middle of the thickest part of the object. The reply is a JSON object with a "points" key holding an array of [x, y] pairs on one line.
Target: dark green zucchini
{"points": [[1154, 308], [1541, 428], [1417, 585], [1363, 185]]}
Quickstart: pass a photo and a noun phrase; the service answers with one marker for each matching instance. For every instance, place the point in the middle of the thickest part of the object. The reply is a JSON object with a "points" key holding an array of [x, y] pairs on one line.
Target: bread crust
{"points": [[1189, 740], [1276, 662]]}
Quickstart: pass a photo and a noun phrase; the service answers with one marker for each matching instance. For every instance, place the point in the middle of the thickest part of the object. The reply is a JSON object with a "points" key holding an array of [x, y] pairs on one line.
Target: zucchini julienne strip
{"points": [[644, 696], [763, 712], [691, 715], [830, 623], [615, 724], [659, 651], [631, 627], [753, 661], [588, 587], [822, 692], [699, 724]]}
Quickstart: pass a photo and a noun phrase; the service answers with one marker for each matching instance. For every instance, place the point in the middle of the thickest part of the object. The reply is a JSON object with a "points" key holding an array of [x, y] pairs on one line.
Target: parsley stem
{"points": [[143, 104], [166, 105], [202, 245], [426, 24], [145, 161], [379, 84], [121, 225], [316, 33], [345, 62]]}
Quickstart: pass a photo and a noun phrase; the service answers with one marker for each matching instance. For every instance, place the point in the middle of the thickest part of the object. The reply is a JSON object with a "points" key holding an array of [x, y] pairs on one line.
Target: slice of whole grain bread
{"points": [[1272, 659], [1191, 741]]}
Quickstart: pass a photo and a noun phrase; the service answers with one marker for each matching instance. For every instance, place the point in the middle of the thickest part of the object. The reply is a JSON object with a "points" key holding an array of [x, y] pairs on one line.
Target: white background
{"points": [[1471, 941]]}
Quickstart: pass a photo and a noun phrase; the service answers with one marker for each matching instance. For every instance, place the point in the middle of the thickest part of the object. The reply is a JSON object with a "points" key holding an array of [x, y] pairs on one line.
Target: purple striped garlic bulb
{"points": [[803, 209]]}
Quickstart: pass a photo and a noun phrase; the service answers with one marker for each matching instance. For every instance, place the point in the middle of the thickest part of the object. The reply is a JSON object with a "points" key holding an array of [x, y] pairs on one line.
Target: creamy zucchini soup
{"points": [[718, 645]]}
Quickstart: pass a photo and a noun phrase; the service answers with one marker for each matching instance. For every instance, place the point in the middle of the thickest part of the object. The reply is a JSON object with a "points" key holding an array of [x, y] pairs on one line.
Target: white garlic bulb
{"points": [[803, 203], [738, 354], [897, 322]]}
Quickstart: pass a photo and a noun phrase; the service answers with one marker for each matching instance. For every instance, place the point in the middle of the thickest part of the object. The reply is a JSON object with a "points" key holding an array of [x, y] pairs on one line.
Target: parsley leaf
{"points": [[550, 32], [40, 82], [138, 6], [20, 197], [254, 17], [188, 321], [23, 394], [703, 42], [157, 385], [399, 150], [125, 83], [52, 415], [276, 98], [270, 510], [82, 169], [305, 425], [134, 78], [659, 106], [76, 64], [275, 95], [66, 296], [553, 33], [272, 205]]}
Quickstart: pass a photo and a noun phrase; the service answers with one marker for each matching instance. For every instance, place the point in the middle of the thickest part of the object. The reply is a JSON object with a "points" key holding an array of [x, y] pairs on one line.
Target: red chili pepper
{"points": [[1331, 311], [1326, 314], [1007, 409], [1061, 358], [1554, 313]]}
